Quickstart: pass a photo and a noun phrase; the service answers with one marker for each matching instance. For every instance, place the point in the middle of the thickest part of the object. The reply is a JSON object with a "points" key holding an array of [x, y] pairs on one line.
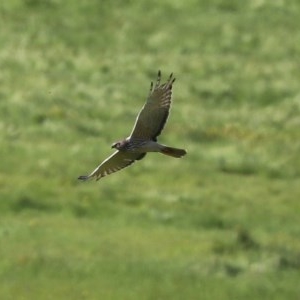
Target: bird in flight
{"points": [[143, 138]]}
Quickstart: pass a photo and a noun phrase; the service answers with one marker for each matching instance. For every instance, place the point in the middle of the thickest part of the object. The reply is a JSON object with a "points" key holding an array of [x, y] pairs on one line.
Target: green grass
{"points": [[221, 223]]}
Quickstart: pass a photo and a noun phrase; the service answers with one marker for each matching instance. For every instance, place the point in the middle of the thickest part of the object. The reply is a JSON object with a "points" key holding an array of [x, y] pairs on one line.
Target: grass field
{"points": [[221, 223]]}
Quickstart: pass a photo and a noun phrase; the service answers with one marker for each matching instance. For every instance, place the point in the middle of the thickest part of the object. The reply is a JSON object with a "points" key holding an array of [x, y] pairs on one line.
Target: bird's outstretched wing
{"points": [[153, 116], [114, 163]]}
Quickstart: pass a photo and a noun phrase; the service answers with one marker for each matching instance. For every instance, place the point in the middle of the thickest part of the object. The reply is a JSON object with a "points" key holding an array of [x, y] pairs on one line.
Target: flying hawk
{"points": [[143, 138]]}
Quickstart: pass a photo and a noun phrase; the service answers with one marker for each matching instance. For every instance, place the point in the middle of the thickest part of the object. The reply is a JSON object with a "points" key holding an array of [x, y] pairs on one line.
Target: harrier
{"points": [[143, 138]]}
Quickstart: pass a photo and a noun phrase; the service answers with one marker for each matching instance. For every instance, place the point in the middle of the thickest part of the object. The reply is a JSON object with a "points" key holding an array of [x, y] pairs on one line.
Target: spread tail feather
{"points": [[174, 152]]}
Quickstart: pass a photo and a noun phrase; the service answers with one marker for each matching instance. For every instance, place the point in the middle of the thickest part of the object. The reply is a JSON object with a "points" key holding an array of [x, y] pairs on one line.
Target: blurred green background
{"points": [[221, 223]]}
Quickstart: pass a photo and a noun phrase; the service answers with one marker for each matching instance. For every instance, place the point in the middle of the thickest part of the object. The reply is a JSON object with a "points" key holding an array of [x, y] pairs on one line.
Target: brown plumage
{"points": [[143, 138]]}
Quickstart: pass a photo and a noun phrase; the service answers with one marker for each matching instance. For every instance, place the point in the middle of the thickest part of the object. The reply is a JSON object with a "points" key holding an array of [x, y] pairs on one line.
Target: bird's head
{"points": [[121, 145], [118, 145], [115, 145]]}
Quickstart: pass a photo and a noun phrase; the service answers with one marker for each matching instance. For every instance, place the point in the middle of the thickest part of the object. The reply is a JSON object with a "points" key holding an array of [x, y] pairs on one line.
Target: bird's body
{"points": [[143, 138], [143, 146]]}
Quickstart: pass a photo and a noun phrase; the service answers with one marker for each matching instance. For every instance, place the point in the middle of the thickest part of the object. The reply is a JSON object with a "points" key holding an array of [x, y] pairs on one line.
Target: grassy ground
{"points": [[221, 223]]}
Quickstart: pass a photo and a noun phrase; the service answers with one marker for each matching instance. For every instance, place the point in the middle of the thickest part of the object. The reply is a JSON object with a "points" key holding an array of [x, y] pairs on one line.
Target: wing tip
{"points": [[171, 79], [168, 83], [83, 177]]}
